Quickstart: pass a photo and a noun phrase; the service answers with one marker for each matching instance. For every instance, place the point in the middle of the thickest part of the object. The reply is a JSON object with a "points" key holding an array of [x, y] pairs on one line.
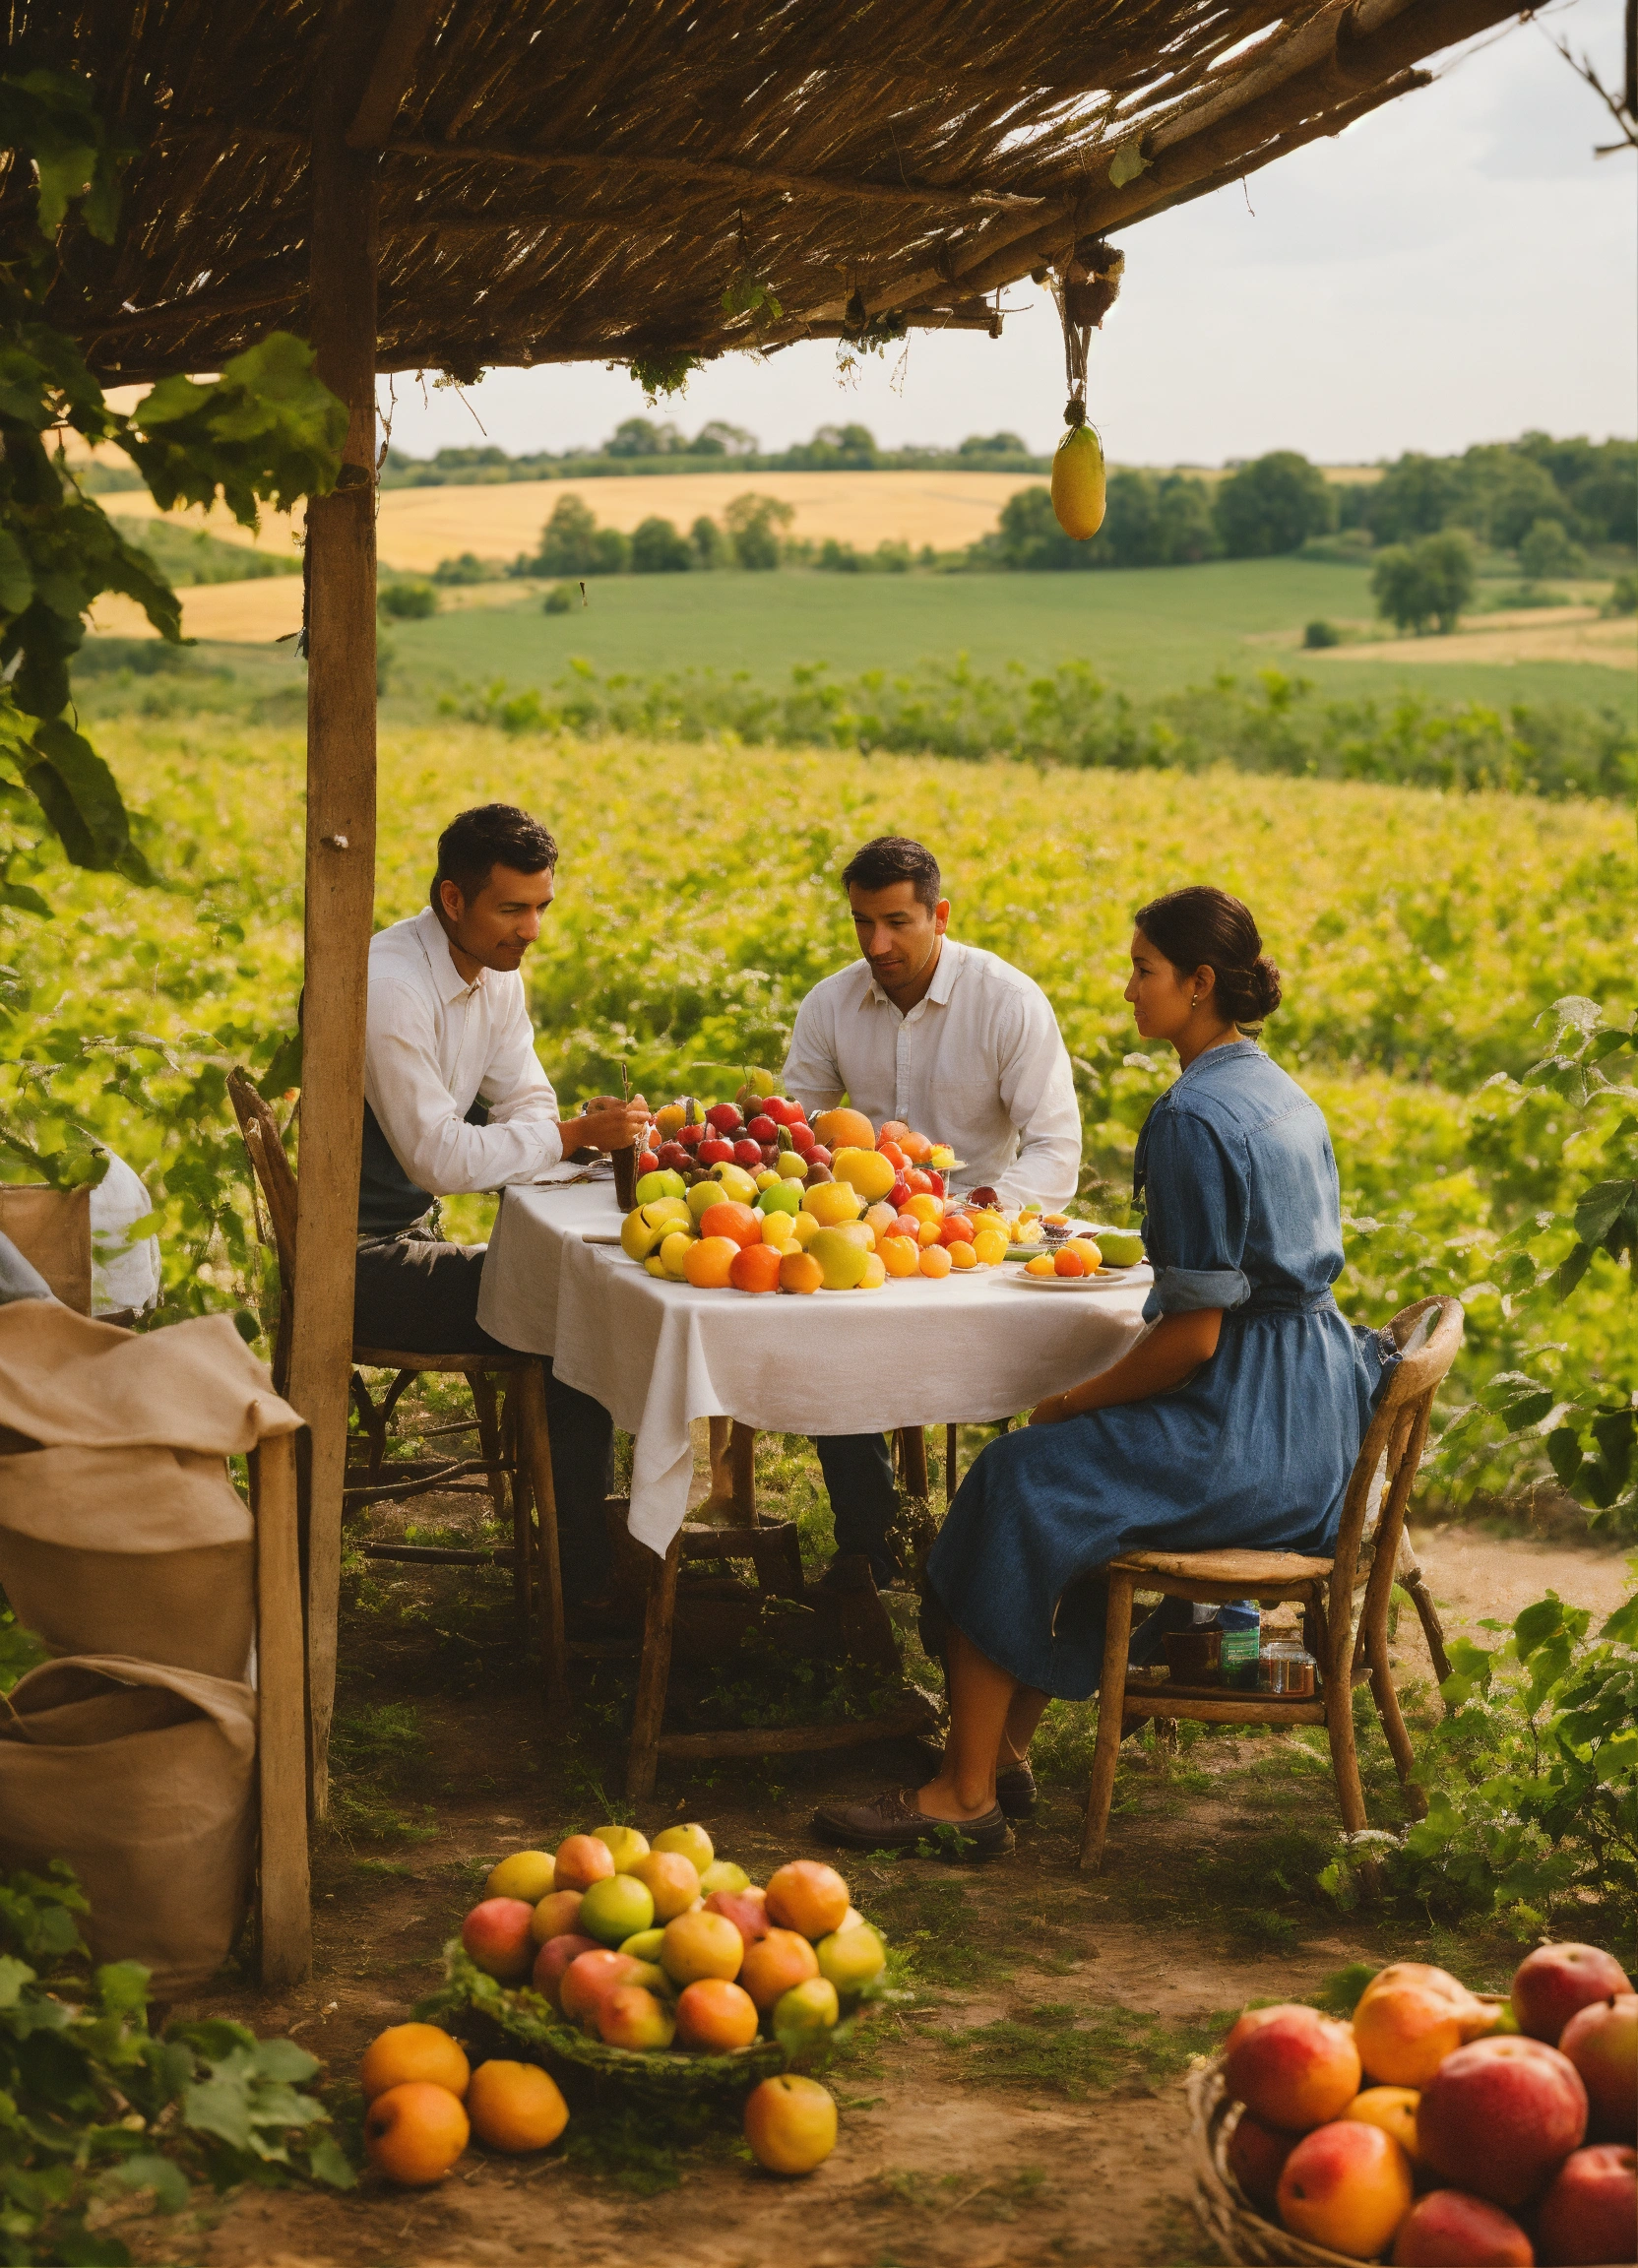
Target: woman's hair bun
{"points": [[1202, 927]]}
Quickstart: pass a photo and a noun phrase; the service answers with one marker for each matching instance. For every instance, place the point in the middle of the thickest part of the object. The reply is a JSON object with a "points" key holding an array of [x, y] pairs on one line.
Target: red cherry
{"points": [[748, 1153], [724, 1116], [692, 1136], [714, 1152], [819, 1155], [782, 1110], [899, 1195], [762, 1128], [935, 1184]]}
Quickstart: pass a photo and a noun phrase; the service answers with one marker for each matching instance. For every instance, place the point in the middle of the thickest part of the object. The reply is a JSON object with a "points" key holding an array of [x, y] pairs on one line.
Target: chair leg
{"points": [[374, 1423], [1345, 1762], [1112, 1698], [535, 1456], [913, 1461], [487, 1409], [1409, 1576], [950, 1474], [653, 1677], [514, 1465], [1392, 1722]]}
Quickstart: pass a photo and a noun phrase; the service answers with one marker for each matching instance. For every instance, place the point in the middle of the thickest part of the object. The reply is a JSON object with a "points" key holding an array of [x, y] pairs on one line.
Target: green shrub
{"points": [[1429, 581], [1320, 634], [558, 600], [658, 549], [1547, 551], [407, 601], [1623, 594], [572, 543], [467, 567]]}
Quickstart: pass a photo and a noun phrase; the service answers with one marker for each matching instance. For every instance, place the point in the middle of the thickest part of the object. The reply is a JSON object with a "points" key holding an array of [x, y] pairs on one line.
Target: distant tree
{"points": [[847, 448], [1415, 496], [1028, 537], [407, 601], [1508, 492], [837, 558], [712, 547], [751, 522], [1426, 582], [720, 439], [1273, 505], [1187, 531], [467, 567], [1547, 551], [993, 445], [642, 437], [572, 543], [658, 549]]}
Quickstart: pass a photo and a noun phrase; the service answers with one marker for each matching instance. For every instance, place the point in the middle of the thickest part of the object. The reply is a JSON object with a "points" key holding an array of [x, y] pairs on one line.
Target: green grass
{"points": [[1147, 632]]}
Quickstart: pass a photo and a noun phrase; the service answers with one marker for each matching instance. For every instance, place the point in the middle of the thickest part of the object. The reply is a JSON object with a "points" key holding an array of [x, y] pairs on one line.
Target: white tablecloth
{"points": [[972, 1347]]}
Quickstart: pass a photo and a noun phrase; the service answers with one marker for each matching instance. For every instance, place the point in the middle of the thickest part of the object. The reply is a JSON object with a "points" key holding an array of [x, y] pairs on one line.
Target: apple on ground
{"points": [[1498, 2116], [405, 2051], [515, 2107], [1553, 1983], [1590, 2212], [498, 1937], [414, 2132], [1602, 2042], [1257, 2154], [1292, 2066], [1452, 2228], [1346, 2186], [789, 2124]]}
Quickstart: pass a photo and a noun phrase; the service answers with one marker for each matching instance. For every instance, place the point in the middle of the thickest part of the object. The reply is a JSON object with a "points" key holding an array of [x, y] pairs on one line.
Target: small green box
{"points": [[1238, 1656]]}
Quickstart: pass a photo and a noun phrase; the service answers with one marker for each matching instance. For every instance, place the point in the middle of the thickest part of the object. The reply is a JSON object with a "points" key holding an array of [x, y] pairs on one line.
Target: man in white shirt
{"points": [[455, 1099], [960, 1045]]}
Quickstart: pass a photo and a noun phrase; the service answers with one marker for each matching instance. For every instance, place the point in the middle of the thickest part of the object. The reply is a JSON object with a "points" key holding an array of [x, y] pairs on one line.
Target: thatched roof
{"points": [[567, 181]]}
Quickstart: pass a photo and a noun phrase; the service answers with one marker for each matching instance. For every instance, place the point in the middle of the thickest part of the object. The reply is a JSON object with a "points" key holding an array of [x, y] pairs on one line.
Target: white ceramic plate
{"points": [[1111, 1279]]}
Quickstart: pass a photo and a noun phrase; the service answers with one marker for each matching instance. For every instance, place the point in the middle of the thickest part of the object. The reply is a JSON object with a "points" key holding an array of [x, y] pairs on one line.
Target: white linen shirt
{"points": [[977, 1063], [433, 1045]]}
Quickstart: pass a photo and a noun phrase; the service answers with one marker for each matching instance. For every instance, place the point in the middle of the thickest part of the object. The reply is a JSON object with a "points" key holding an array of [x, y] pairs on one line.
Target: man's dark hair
{"points": [[490, 835], [894, 859]]}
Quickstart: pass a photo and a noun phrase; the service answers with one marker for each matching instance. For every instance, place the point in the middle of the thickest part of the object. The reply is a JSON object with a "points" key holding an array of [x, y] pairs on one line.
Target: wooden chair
{"points": [[513, 1436], [1350, 1650]]}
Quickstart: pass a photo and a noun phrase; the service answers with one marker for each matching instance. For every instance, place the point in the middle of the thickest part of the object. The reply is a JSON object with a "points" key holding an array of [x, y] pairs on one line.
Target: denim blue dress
{"points": [[1253, 1451]]}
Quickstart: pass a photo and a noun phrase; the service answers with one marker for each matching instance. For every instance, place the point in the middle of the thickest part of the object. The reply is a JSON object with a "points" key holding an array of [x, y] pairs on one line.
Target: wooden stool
{"points": [[1430, 1332]]}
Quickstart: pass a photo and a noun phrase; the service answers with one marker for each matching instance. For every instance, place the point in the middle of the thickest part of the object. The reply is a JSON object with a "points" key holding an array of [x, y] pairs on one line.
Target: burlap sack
{"points": [[143, 1779], [66, 1379], [135, 1552]]}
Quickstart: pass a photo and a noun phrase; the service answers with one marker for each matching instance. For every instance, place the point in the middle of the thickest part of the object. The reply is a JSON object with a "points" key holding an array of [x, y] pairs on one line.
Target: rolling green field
{"points": [[1147, 631]]}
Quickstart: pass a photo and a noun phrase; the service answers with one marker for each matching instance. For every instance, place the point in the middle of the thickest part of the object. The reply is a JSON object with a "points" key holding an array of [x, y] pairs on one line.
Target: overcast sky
{"points": [[1456, 268]]}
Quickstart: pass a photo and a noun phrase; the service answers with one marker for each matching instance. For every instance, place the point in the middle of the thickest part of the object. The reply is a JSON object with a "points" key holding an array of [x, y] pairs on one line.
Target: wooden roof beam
{"points": [[392, 72]]}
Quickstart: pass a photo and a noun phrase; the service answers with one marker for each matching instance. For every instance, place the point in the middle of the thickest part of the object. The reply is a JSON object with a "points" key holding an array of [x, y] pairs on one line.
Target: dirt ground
{"points": [[1026, 2108]]}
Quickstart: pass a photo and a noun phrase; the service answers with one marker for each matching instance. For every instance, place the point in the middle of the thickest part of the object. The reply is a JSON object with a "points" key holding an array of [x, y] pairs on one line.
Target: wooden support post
{"points": [[529, 1397], [913, 1461], [654, 1675], [285, 1912], [341, 831]]}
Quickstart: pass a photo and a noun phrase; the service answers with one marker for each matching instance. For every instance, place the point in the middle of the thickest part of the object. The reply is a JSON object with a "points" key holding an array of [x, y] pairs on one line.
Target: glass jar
{"points": [[1286, 1668]]}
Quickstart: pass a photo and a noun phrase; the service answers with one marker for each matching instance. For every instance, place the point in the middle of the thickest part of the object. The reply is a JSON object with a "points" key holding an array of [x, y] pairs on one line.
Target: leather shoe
{"points": [[894, 1823]]}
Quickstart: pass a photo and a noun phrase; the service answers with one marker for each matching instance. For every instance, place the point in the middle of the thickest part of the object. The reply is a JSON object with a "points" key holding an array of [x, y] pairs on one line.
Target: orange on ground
{"points": [[900, 1256], [516, 2107], [789, 2124], [936, 1260], [808, 1895], [707, 1263], [733, 1220], [414, 2133], [405, 2051], [756, 1268], [715, 2014], [801, 1272]]}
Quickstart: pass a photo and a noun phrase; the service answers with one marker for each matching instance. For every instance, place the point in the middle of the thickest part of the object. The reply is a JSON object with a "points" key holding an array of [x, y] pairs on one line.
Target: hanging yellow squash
{"points": [[1077, 479]]}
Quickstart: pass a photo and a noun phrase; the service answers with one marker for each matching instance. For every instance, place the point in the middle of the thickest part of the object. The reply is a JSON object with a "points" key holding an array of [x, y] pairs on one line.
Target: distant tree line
{"points": [[641, 445]]}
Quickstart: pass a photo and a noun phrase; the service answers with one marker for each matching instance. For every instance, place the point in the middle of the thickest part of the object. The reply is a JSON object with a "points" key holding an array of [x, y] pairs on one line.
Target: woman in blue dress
{"points": [[1234, 1421]]}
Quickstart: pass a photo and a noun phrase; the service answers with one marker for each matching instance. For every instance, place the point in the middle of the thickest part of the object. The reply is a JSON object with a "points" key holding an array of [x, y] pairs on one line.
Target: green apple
{"points": [[665, 1183], [1120, 1247], [645, 1946], [792, 1165], [690, 1841], [781, 1197], [848, 1959], [841, 1256], [615, 1909], [724, 1874], [703, 1196], [806, 2012]]}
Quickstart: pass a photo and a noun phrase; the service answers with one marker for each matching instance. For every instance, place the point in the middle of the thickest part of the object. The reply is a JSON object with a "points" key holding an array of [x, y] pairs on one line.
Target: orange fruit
{"points": [[405, 2051], [927, 1233], [808, 1895], [961, 1255], [895, 1130], [516, 2107], [756, 1268], [801, 1272], [900, 1256], [732, 1219], [709, 1261], [926, 1207], [916, 1147], [936, 1260], [955, 1229], [1068, 1262], [1092, 1259], [844, 1130], [892, 1153], [414, 2133], [716, 2015]]}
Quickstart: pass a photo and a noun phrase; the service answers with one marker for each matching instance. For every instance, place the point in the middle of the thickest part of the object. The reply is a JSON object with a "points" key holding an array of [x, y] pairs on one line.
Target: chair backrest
{"points": [[276, 1178], [1432, 1333], [51, 1228]]}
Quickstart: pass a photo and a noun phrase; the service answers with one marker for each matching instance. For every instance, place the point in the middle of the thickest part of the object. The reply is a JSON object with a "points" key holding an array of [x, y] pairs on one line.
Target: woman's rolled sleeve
{"points": [[1185, 1290]]}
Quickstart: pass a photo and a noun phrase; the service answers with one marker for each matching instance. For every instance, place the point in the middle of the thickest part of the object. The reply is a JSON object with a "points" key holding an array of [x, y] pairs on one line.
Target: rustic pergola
{"points": [[454, 184]]}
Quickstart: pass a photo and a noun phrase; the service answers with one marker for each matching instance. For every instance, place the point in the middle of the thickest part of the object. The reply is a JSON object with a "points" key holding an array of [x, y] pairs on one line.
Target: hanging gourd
{"points": [[1085, 294]]}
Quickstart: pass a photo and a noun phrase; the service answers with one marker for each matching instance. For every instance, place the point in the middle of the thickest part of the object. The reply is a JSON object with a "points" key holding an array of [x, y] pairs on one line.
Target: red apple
{"points": [[554, 1958], [936, 1183], [1256, 2155], [820, 1156], [672, 1156], [589, 1976], [1448, 2228], [749, 1154], [1590, 2214], [692, 1136], [747, 1910], [802, 1138], [1292, 2066], [1553, 1983], [1345, 2186], [762, 1128], [496, 1933], [715, 1151], [782, 1110], [724, 1116], [1498, 2116], [1602, 2042]]}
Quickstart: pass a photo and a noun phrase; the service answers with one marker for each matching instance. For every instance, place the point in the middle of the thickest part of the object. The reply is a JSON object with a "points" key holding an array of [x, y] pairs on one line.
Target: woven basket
{"points": [[1238, 2232], [472, 2005]]}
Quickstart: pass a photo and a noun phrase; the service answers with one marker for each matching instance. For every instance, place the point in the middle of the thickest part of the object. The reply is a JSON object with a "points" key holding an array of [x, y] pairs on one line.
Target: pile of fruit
{"points": [[644, 1950], [1442, 2130], [847, 1212]]}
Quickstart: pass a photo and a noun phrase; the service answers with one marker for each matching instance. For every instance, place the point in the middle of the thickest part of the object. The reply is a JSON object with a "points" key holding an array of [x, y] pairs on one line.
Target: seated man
{"points": [[962, 1046], [456, 1100]]}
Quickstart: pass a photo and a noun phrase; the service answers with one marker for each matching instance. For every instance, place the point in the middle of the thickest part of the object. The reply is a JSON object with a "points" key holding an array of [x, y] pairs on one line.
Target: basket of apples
{"points": [[661, 1967], [1438, 2128], [847, 1212]]}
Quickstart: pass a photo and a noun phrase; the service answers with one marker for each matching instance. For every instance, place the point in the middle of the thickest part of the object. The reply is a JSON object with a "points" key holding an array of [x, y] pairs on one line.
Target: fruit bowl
{"points": [[476, 2008], [1238, 2231]]}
